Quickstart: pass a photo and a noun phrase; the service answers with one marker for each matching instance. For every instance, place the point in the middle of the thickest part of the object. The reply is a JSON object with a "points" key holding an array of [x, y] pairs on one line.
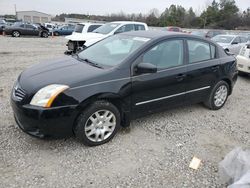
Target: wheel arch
{"points": [[229, 82], [115, 99]]}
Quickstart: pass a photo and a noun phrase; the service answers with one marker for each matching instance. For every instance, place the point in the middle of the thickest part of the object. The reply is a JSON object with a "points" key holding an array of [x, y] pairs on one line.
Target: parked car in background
{"points": [[207, 33], [85, 28], [79, 42], [231, 43], [2, 25], [20, 28], [50, 26], [243, 60], [172, 28], [79, 30], [118, 79], [63, 30]]}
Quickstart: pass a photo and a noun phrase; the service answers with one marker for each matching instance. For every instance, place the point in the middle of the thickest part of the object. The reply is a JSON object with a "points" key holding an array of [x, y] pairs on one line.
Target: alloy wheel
{"points": [[220, 96], [100, 125], [16, 34]]}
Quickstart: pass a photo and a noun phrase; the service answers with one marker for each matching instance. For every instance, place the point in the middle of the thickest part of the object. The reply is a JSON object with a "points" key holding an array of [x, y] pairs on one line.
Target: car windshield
{"points": [[223, 39], [79, 28], [112, 50], [107, 28]]}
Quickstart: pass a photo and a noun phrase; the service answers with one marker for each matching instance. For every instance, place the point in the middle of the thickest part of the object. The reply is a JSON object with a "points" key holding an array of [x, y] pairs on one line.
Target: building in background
{"points": [[33, 16]]}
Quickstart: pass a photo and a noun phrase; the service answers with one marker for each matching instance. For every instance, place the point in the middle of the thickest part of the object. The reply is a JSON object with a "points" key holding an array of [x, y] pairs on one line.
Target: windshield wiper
{"points": [[92, 63], [88, 61]]}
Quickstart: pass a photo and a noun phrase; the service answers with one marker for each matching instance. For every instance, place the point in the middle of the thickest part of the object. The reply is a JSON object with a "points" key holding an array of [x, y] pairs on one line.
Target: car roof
{"points": [[154, 34], [229, 35], [128, 22], [89, 23]]}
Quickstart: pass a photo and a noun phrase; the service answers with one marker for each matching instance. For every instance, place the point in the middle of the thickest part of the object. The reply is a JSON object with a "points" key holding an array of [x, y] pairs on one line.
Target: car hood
{"points": [[85, 36], [67, 71]]}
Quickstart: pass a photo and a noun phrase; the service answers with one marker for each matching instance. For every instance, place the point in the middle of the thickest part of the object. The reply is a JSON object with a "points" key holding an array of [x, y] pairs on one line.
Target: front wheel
{"points": [[218, 96], [45, 35], [97, 124]]}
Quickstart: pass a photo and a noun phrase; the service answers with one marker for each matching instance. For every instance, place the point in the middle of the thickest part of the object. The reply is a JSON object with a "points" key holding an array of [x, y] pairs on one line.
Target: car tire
{"points": [[45, 35], [16, 34], [97, 124], [218, 96]]}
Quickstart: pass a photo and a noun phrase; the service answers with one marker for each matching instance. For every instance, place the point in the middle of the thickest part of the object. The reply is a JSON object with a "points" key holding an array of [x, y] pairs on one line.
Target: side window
{"points": [[30, 27], [126, 28], [22, 25], [139, 27], [243, 39], [199, 51], [236, 40], [213, 51], [92, 28], [166, 54]]}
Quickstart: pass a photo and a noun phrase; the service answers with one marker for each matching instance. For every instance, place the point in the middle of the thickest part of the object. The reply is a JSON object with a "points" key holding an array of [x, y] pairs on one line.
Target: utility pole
{"points": [[15, 11]]}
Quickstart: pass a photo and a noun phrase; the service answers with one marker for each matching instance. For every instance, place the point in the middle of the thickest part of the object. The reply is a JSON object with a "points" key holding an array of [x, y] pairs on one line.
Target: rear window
{"points": [[139, 27], [79, 28], [93, 27]]}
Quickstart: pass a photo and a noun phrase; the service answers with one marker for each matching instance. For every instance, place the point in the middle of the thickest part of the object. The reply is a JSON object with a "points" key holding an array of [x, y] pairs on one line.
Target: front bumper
{"points": [[40, 122], [243, 64]]}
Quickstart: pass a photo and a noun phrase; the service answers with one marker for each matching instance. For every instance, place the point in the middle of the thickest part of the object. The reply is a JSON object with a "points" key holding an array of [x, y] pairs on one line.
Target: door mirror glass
{"points": [[146, 68]]}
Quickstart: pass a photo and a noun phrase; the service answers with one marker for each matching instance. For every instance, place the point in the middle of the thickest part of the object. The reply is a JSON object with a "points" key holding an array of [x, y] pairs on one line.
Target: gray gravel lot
{"points": [[154, 152]]}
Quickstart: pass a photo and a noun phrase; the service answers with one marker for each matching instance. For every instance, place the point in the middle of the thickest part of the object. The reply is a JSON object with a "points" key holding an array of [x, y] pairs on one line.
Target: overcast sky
{"points": [[103, 7]]}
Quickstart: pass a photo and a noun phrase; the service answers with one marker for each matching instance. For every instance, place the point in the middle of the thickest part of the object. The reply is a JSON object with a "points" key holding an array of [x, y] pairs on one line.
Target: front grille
{"points": [[18, 93]]}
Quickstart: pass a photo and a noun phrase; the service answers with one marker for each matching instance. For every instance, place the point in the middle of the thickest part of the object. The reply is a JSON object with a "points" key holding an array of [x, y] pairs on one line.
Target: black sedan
{"points": [[118, 79], [20, 28]]}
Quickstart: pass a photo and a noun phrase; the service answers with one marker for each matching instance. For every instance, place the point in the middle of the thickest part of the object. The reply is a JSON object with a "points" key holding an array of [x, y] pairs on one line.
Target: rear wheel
{"points": [[16, 34], [97, 124], [218, 96]]}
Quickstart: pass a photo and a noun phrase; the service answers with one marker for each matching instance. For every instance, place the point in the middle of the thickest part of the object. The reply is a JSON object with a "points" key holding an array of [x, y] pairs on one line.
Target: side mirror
{"points": [[146, 68]]}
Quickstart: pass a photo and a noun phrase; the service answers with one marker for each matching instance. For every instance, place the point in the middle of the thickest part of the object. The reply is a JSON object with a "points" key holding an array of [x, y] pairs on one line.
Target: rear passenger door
{"points": [[32, 30], [203, 69]]}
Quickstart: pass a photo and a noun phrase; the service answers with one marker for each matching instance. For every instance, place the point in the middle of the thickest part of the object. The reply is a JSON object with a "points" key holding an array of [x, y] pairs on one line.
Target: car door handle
{"points": [[215, 68], [180, 77]]}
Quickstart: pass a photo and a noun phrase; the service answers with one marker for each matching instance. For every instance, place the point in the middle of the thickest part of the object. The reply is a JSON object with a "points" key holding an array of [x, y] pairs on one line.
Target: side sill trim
{"points": [[171, 96]]}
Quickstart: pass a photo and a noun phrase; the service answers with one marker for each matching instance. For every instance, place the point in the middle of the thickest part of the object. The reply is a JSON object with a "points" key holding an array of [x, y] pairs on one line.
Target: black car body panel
{"points": [[26, 29], [134, 94]]}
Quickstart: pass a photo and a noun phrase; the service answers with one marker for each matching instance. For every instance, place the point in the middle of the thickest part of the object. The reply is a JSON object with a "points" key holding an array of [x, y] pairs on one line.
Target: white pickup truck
{"points": [[80, 41]]}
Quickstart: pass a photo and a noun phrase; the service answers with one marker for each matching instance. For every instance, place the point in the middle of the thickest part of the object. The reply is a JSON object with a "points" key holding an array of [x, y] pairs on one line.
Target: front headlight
{"points": [[45, 96]]}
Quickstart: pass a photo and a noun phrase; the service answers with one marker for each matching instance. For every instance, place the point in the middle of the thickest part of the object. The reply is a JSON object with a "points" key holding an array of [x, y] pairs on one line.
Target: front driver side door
{"points": [[165, 88]]}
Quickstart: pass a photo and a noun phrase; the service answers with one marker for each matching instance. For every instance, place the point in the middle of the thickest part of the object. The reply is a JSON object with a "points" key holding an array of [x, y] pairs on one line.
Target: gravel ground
{"points": [[154, 152]]}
